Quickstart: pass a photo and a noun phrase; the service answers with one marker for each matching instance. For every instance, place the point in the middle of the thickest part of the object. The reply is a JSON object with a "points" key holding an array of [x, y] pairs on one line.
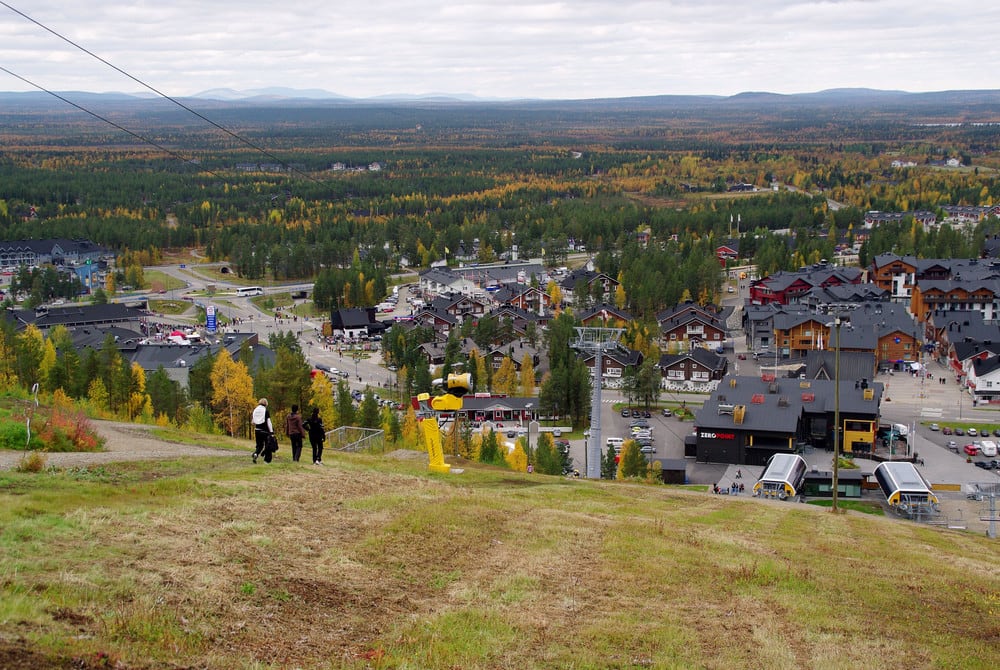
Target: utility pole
{"points": [[596, 341], [836, 417]]}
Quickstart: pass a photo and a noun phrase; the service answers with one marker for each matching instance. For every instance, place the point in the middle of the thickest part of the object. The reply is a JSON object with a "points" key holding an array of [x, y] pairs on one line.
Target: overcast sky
{"points": [[504, 49]]}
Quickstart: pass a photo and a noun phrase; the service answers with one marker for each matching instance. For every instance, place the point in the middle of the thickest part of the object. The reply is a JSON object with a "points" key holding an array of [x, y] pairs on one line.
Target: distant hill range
{"points": [[268, 96], [934, 107]]}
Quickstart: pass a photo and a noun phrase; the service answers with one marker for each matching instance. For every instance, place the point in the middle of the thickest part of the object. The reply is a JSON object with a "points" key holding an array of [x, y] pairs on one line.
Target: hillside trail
{"points": [[123, 442]]}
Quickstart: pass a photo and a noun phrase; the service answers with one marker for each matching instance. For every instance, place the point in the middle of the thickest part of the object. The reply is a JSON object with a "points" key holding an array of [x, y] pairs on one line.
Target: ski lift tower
{"points": [[596, 341]]}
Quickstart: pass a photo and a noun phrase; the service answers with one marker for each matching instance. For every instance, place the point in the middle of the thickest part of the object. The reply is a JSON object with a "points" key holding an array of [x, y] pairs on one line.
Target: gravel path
{"points": [[125, 442]]}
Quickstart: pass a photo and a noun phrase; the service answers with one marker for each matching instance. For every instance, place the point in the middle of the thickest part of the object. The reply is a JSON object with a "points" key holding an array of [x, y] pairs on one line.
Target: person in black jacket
{"points": [[317, 435]]}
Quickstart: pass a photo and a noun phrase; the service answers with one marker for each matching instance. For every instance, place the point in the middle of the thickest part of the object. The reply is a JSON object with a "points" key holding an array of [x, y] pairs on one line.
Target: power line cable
{"points": [[163, 95], [108, 121]]}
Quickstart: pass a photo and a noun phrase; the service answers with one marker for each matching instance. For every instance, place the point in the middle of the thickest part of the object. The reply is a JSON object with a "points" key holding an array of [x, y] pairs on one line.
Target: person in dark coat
{"points": [[317, 435], [295, 432]]}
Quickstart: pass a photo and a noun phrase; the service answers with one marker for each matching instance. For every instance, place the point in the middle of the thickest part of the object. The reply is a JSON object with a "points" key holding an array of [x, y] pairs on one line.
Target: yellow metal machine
{"points": [[456, 386]]}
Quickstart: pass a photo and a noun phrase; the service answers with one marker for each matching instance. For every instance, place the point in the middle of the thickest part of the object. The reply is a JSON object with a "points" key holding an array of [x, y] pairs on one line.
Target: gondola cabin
{"points": [[906, 491], [782, 478]]}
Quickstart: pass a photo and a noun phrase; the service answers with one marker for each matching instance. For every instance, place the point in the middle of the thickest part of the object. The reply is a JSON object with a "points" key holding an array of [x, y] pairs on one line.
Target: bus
{"points": [[906, 491], [782, 478], [250, 290]]}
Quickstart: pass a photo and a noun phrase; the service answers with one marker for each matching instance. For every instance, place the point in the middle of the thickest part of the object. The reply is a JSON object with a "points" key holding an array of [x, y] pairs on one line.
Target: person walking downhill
{"points": [[317, 435], [295, 432], [262, 429]]}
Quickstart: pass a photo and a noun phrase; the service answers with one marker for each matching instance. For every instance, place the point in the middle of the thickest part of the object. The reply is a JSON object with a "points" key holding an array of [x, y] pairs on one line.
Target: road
{"points": [[364, 372]]}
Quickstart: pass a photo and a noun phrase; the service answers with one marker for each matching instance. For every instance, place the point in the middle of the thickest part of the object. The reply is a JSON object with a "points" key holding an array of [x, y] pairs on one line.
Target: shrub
{"points": [[68, 430], [61, 429], [14, 435], [32, 462]]}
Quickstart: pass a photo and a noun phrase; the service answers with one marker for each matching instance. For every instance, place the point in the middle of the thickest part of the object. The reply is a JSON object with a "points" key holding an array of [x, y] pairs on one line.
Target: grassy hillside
{"points": [[365, 563]]}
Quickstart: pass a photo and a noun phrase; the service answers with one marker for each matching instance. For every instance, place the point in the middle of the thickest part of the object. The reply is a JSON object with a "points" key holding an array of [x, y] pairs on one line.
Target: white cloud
{"points": [[522, 48]]}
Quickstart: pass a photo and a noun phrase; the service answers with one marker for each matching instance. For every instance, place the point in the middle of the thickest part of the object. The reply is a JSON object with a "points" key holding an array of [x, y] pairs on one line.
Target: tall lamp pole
{"points": [[836, 416]]}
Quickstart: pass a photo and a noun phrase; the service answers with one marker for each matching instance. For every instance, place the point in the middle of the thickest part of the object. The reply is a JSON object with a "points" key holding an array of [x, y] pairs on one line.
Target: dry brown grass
{"points": [[375, 564]]}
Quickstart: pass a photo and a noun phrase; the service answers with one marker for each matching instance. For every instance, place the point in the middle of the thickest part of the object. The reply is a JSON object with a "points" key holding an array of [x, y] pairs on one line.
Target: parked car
{"points": [[647, 449], [626, 413], [971, 432], [665, 411], [934, 426], [946, 430], [996, 432], [995, 464], [952, 446], [959, 431], [971, 450], [647, 415], [636, 414], [982, 464]]}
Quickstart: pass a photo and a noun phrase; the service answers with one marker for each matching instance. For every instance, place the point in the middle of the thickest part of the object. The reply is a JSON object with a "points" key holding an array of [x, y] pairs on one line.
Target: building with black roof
{"points": [[697, 365], [80, 316], [355, 322], [177, 359], [749, 419]]}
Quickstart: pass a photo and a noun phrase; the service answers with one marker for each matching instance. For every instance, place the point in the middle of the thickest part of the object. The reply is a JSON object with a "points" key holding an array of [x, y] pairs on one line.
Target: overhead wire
{"points": [[108, 121], [158, 92]]}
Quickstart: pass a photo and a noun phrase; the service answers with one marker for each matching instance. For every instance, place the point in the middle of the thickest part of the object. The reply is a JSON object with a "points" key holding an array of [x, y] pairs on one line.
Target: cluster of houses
{"points": [[898, 312], [693, 336], [90, 262], [959, 214]]}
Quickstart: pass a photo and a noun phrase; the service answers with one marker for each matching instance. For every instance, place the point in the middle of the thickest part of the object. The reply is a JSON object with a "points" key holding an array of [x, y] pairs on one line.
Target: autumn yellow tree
{"points": [[138, 400], [505, 379], [232, 392], [620, 296], [527, 377], [29, 347], [450, 440], [97, 394], [411, 430], [8, 375], [477, 362], [47, 363], [555, 293], [516, 458], [321, 397]]}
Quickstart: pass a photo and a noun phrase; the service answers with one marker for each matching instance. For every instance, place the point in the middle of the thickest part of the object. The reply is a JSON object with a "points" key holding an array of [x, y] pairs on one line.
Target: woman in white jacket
{"points": [[262, 428]]}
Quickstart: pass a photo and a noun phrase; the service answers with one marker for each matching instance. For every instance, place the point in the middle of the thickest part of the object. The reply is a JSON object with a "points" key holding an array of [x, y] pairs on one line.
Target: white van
{"points": [[615, 442], [988, 448]]}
